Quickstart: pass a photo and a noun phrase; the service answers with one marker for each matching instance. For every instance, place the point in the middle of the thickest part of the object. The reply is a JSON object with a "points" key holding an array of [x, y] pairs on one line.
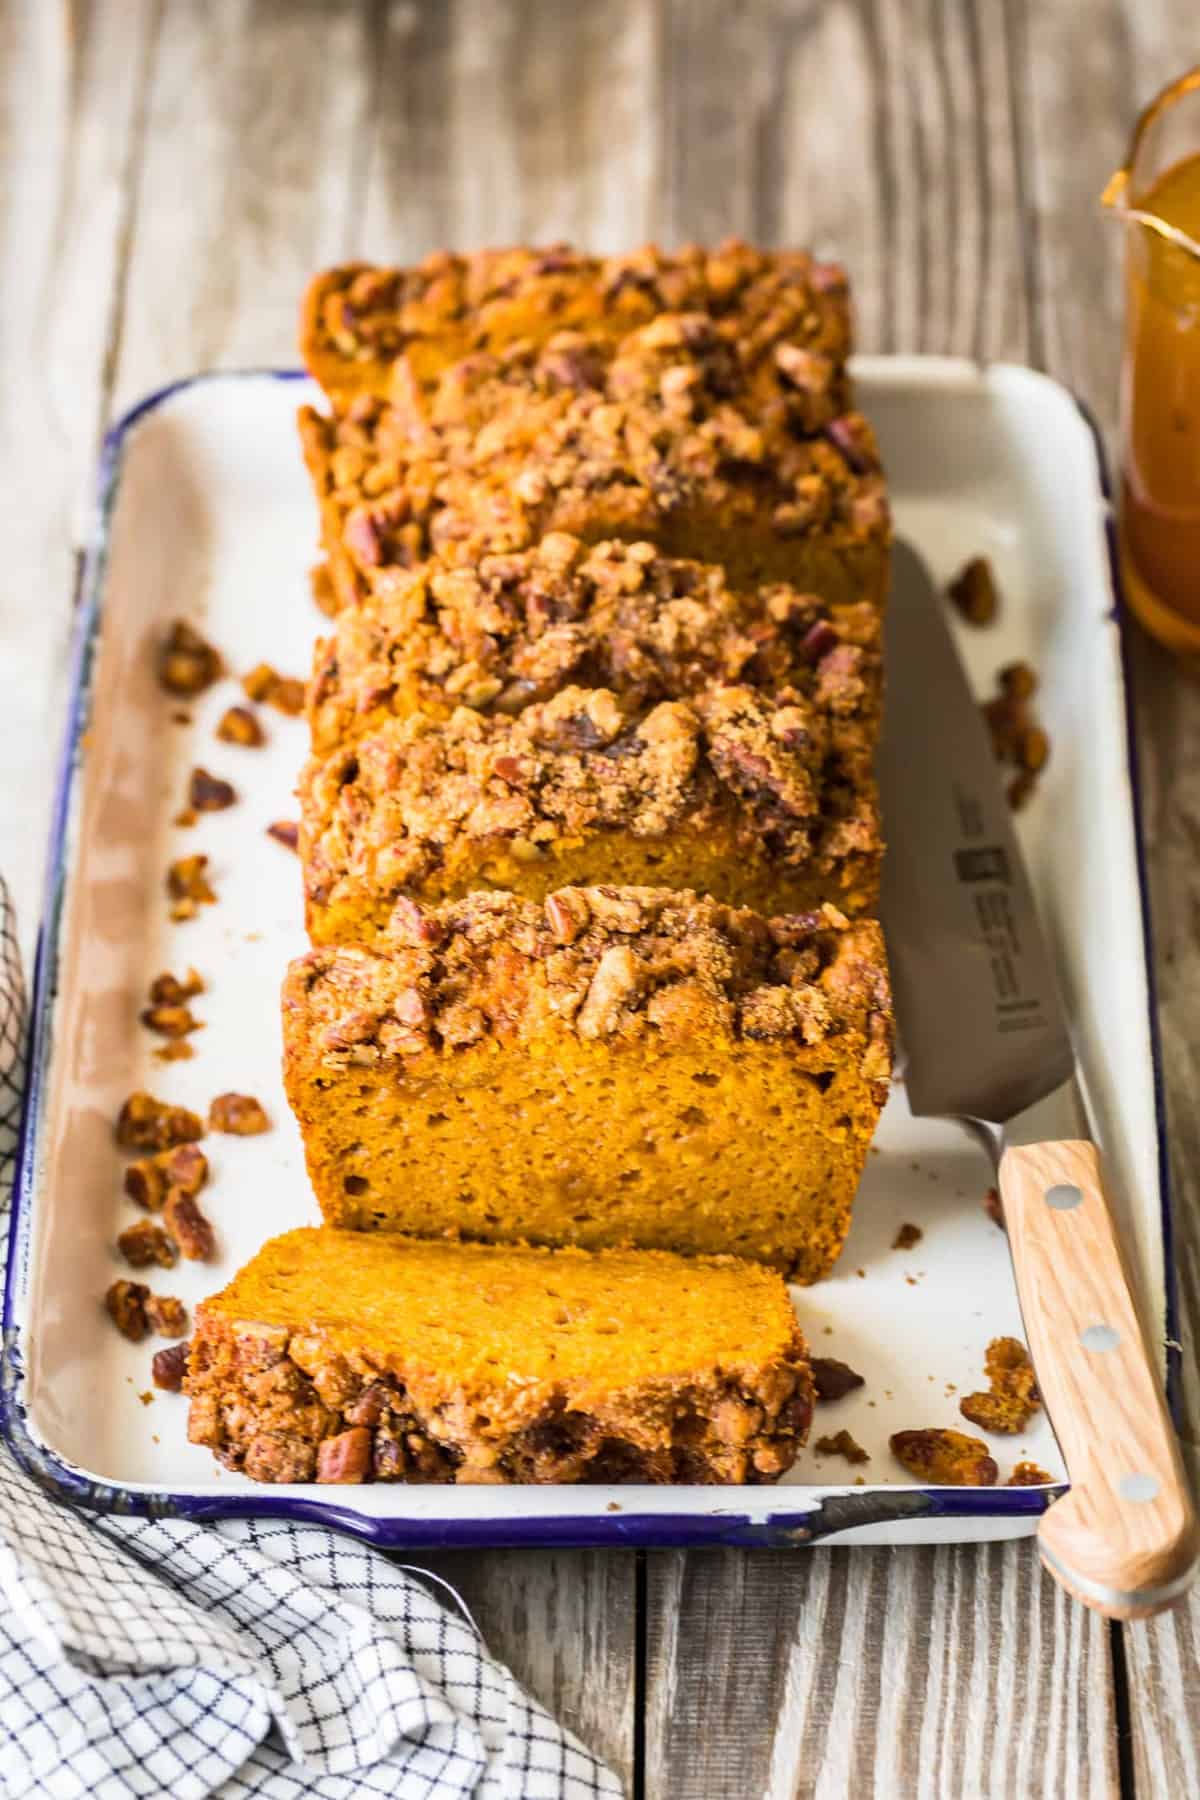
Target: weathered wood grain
{"points": [[958, 1672], [70, 86], [254, 110], [508, 121]]}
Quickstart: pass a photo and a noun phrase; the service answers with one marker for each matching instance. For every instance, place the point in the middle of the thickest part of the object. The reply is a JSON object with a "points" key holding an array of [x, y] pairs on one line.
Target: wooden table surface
{"points": [[173, 170]]}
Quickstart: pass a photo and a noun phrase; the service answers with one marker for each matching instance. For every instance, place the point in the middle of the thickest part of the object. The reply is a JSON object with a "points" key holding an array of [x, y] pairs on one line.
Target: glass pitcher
{"points": [[1157, 193]]}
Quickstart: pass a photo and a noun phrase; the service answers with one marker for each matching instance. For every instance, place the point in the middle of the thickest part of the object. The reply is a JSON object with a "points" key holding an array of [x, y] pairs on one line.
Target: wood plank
{"points": [[254, 119], [917, 1671], [941, 1672], [1097, 79], [70, 80], [508, 121]]}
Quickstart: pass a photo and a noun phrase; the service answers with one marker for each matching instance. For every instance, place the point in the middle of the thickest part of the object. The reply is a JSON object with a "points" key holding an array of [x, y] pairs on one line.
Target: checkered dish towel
{"points": [[161, 1658]]}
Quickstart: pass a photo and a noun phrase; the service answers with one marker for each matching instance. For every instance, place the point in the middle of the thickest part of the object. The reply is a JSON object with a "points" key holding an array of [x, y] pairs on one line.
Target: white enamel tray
{"points": [[205, 511]]}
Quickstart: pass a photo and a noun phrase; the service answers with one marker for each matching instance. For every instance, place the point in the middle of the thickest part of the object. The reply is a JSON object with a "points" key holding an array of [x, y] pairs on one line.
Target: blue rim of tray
{"points": [[791, 1527]]}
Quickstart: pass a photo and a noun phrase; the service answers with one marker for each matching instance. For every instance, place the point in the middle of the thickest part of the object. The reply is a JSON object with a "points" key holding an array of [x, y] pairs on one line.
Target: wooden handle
{"points": [[1124, 1539]]}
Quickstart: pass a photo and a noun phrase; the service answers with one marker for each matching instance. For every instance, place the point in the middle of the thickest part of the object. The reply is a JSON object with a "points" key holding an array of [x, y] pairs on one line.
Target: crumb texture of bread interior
{"points": [[621, 1067], [345, 1356]]}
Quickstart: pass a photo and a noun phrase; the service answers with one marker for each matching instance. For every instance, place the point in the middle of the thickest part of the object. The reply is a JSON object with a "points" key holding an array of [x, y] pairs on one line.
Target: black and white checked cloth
{"points": [[248, 1658]]}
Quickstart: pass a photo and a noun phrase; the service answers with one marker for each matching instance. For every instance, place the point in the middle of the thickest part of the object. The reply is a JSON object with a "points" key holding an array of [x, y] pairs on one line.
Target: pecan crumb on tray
{"points": [[148, 1181], [841, 1444], [285, 832], [1012, 1397], [1028, 1474], [238, 725], [974, 593], [947, 1458], [168, 990], [170, 1021], [188, 886], [285, 692], [208, 793], [832, 1379], [144, 1244], [166, 1315], [993, 1208], [168, 1368], [126, 1303], [239, 1114], [188, 1226], [145, 1123], [174, 1050], [907, 1237], [187, 663]]}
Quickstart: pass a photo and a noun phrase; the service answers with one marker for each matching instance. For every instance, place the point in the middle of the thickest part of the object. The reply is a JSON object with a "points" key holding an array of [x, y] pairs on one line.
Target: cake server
{"points": [[985, 1040]]}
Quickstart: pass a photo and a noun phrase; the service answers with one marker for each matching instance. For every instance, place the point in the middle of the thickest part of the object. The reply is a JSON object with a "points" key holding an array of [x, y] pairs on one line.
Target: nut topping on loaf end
{"points": [[345, 1357], [366, 329], [685, 1075]]}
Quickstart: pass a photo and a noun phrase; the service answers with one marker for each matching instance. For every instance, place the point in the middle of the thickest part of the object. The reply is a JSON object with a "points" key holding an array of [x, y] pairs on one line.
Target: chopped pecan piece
{"points": [[144, 1244], [174, 1050], [993, 1208], [238, 725], [285, 832], [947, 1458], [833, 1380], [126, 1303], [188, 1226], [841, 1444], [208, 793], [239, 1114], [188, 886], [187, 663], [1012, 1397], [907, 1237], [345, 1458], [282, 691], [148, 1180], [166, 1315], [167, 989], [1028, 1474], [973, 592], [170, 1021], [145, 1123], [1016, 736], [168, 1368]]}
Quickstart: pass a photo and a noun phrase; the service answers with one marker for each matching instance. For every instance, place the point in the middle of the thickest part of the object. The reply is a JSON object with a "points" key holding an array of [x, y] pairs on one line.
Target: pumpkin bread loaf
{"points": [[674, 438], [366, 329], [623, 1066], [513, 628], [342, 1357], [763, 800]]}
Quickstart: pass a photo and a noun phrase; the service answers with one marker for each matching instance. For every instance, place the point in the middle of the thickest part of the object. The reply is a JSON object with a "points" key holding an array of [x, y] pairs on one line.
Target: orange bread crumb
{"points": [[347, 1357], [621, 1066]]}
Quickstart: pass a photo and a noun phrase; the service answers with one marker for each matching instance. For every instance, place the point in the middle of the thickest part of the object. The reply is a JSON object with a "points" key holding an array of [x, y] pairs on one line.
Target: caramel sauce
{"points": [[1160, 403]]}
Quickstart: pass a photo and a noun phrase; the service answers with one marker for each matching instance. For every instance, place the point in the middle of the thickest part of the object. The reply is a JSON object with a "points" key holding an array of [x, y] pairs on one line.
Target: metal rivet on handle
{"points": [[1138, 1487], [1100, 1337], [1063, 1196]]}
